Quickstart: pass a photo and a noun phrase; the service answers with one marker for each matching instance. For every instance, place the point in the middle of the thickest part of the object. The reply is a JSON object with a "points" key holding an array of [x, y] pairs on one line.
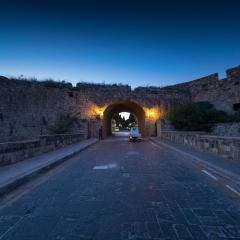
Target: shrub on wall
{"points": [[199, 116], [54, 84], [63, 123]]}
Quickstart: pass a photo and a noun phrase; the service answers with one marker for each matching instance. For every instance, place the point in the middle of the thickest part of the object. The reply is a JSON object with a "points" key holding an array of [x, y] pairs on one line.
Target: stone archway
{"points": [[123, 106]]}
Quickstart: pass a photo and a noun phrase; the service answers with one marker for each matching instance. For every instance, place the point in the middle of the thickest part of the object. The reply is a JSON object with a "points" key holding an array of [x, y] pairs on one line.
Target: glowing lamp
{"points": [[99, 111], [152, 113]]}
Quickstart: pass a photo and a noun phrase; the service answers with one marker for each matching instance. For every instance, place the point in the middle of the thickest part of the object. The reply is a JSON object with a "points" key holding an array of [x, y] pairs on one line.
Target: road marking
{"points": [[233, 190], [210, 175], [154, 144], [105, 167]]}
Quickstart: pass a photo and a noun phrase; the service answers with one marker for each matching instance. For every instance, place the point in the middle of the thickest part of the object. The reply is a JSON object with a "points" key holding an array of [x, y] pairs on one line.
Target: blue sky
{"points": [[138, 43]]}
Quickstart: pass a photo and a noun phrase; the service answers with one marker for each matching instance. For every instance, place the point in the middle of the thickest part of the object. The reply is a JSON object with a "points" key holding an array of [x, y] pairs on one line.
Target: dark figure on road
{"points": [[100, 134]]}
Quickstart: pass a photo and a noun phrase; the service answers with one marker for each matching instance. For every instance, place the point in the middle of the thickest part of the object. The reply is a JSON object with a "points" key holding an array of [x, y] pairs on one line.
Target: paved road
{"points": [[119, 190]]}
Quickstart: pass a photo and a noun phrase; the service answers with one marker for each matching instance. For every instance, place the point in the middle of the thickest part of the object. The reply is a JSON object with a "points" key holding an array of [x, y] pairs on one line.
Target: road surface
{"points": [[118, 190]]}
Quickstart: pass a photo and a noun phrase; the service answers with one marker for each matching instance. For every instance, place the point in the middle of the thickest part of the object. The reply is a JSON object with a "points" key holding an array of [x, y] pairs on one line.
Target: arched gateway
{"points": [[123, 106]]}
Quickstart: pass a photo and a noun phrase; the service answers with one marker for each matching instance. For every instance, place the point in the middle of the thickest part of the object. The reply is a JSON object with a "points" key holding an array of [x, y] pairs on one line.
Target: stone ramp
{"points": [[14, 175]]}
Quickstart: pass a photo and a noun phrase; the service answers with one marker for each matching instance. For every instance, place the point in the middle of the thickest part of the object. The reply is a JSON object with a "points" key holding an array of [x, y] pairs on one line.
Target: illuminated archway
{"points": [[123, 106]]}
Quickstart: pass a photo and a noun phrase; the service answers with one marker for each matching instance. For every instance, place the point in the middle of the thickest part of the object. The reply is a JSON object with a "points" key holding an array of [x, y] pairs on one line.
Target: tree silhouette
{"points": [[124, 124]]}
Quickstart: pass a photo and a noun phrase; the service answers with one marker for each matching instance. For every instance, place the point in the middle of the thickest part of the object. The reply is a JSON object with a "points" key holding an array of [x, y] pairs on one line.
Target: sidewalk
{"points": [[14, 175], [210, 160]]}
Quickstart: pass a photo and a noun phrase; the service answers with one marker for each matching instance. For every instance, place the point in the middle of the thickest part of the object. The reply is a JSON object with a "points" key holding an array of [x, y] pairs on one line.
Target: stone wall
{"points": [[164, 125], [226, 129], [231, 129], [224, 94], [30, 108], [11, 152], [226, 147]]}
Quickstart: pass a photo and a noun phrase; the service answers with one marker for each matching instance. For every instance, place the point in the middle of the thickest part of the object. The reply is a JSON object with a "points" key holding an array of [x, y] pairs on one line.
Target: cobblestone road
{"points": [[118, 190]]}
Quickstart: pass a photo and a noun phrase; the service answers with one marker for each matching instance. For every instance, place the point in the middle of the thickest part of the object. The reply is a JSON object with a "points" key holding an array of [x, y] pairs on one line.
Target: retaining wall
{"points": [[12, 152], [226, 147]]}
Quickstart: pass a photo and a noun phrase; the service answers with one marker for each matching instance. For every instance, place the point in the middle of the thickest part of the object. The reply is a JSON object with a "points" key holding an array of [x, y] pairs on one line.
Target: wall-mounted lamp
{"points": [[99, 111], [152, 113]]}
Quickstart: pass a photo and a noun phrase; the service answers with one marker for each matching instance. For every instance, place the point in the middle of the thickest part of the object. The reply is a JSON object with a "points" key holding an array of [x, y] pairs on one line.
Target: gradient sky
{"points": [[138, 43]]}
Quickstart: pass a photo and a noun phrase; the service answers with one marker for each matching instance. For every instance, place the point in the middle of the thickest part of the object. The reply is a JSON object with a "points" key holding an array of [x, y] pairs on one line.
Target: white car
{"points": [[135, 135]]}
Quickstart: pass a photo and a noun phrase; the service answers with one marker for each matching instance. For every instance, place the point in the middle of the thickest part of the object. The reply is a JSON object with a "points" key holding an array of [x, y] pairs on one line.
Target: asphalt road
{"points": [[120, 190]]}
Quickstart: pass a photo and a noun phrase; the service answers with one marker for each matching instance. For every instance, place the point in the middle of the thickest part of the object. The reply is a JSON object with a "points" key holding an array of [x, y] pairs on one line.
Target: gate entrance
{"points": [[123, 106]]}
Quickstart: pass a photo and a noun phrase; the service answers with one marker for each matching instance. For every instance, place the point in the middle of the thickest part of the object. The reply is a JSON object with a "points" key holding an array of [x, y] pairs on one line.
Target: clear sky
{"points": [[131, 42]]}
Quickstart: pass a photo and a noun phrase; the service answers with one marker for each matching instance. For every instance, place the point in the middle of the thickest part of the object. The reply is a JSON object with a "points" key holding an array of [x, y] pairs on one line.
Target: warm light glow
{"points": [[95, 111], [152, 113], [99, 111]]}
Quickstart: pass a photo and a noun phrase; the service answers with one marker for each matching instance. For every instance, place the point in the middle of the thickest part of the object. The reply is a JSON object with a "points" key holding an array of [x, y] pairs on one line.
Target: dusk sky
{"points": [[131, 42]]}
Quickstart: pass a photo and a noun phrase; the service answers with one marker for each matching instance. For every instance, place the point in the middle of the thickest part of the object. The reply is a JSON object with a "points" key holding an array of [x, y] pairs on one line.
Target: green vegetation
{"points": [[54, 84], [124, 124], [102, 85], [63, 123], [51, 83], [199, 116]]}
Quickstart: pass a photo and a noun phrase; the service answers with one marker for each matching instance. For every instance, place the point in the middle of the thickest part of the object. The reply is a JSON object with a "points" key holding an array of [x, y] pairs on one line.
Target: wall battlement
{"points": [[233, 74], [212, 80]]}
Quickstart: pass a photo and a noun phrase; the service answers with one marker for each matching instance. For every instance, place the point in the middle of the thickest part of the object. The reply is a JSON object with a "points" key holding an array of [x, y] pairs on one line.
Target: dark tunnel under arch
{"points": [[123, 106]]}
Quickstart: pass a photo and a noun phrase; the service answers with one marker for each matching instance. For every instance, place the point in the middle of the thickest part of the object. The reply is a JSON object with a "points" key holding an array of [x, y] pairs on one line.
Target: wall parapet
{"points": [[226, 147], [226, 129], [12, 152]]}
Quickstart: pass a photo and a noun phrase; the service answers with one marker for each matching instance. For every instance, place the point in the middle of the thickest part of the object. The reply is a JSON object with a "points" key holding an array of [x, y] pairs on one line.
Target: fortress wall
{"points": [[29, 108], [222, 93], [144, 96]]}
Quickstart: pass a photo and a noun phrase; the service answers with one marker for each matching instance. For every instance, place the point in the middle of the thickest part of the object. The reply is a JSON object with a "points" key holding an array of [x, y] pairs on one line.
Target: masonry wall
{"points": [[12, 152], [226, 147], [30, 108], [222, 93]]}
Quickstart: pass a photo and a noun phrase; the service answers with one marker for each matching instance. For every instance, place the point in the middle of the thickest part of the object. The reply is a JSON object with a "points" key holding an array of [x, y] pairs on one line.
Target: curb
{"points": [[11, 185], [200, 161]]}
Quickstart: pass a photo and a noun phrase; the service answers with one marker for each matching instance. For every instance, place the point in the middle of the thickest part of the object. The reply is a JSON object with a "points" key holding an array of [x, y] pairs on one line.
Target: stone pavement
{"points": [[116, 190], [15, 174]]}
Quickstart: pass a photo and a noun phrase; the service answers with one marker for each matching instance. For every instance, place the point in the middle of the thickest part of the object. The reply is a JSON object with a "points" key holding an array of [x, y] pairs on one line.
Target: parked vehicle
{"points": [[135, 135]]}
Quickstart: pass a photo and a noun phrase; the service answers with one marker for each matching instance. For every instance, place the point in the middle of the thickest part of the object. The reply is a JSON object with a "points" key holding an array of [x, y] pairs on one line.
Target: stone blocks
{"points": [[11, 152]]}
